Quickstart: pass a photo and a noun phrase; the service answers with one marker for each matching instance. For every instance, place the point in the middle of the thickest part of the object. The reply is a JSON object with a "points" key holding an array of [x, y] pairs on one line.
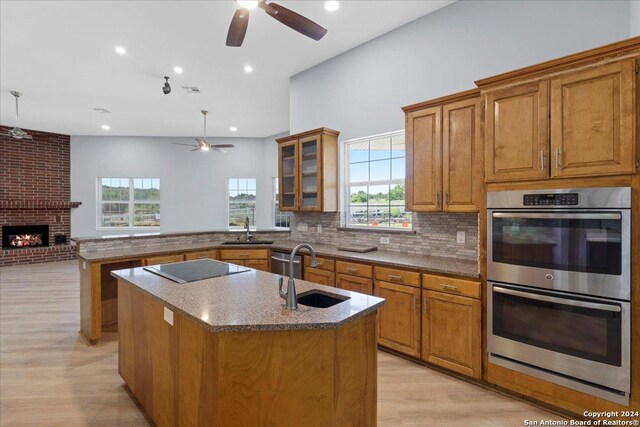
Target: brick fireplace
{"points": [[35, 192]]}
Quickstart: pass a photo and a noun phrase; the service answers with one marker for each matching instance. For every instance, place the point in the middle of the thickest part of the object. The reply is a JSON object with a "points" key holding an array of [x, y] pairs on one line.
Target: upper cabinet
{"points": [[566, 122], [443, 161], [308, 171]]}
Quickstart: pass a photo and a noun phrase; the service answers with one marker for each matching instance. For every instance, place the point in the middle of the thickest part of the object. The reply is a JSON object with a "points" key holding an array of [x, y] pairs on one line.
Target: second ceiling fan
{"points": [[203, 144], [291, 19]]}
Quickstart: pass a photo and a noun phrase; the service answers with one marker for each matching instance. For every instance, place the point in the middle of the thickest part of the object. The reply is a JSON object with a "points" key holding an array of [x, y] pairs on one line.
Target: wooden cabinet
{"points": [[571, 123], [163, 259], [322, 263], [323, 277], [258, 264], [354, 269], [451, 308], [211, 254], [354, 283], [399, 318], [252, 258], [443, 161], [592, 121], [308, 171]]}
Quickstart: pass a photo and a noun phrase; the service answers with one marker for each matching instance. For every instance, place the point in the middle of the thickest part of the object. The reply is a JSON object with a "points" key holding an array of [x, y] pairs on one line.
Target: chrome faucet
{"points": [[246, 225], [291, 296]]}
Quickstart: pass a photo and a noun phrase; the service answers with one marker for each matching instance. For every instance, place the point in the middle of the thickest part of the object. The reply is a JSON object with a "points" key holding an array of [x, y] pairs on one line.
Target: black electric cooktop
{"points": [[190, 271]]}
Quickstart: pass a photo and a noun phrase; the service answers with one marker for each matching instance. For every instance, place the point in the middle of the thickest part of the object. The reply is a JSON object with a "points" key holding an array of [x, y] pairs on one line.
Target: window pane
{"points": [[115, 189], [379, 215], [358, 195], [398, 168], [357, 215], [146, 215], [242, 184], [359, 152], [397, 146], [396, 195], [115, 215], [242, 202], [379, 195], [359, 172], [144, 191], [380, 148], [380, 170], [251, 184]]}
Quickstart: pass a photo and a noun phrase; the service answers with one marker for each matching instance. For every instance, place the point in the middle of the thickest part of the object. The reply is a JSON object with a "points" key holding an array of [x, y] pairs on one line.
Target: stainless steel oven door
{"points": [[586, 252], [587, 339]]}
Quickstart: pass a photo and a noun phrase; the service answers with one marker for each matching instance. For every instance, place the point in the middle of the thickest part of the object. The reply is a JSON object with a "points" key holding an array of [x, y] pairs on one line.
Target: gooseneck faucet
{"points": [[291, 296], [246, 225]]}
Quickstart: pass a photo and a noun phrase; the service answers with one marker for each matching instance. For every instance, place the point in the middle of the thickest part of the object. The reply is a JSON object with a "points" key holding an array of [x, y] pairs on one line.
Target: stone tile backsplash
{"points": [[435, 234]]}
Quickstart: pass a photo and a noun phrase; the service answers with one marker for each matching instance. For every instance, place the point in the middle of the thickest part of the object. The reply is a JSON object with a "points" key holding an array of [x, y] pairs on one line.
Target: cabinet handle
{"points": [[446, 199], [542, 159], [394, 277], [351, 270], [558, 161], [449, 287], [415, 303], [426, 305], [438, 199]]}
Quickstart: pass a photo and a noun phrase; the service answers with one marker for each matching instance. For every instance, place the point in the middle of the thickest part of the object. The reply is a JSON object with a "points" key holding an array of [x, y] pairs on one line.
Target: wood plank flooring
{"points": [[49, 377]]}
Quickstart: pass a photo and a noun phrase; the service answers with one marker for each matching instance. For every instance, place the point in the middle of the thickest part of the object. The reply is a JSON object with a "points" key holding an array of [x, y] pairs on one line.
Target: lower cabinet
{"points": [[399, 317], [163, 259], [322, 277], [253, 258], [211, 254], [257, 264], [451, 332], [354, 283]]}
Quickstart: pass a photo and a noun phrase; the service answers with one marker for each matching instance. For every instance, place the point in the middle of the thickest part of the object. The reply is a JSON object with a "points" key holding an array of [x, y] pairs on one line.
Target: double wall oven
{"points": [[559, 287]]}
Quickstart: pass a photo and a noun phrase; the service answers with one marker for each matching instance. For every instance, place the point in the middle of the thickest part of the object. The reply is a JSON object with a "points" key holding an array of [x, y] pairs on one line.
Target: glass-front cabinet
{"points": [[308, 171]]}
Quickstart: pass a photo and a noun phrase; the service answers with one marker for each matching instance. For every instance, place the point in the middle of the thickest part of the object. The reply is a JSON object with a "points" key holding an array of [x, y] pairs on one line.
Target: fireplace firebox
{"points": [[24, 236]]}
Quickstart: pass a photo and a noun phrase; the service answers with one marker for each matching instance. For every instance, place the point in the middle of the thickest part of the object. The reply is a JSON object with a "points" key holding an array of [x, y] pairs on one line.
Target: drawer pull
{"points": [[352, 270], [449, 287], [397, 278]]}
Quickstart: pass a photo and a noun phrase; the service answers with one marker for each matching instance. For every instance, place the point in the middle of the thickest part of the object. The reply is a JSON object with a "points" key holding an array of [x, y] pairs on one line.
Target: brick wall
{"points": [[35, 188]]}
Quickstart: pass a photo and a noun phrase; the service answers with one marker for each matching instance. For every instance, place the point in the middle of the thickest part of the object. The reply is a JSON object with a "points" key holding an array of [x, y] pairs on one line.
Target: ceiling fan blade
{"points": [[222, 146], [294, 20], [218, 150], [179, 143], [195, 149], [238, 28], [29, 137]]}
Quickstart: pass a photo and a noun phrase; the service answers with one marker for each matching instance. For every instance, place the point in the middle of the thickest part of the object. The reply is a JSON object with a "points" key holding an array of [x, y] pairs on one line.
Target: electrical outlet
{"points": [[461, 237], [319, 227], [303, 226], [384, 240], [168, 316]]}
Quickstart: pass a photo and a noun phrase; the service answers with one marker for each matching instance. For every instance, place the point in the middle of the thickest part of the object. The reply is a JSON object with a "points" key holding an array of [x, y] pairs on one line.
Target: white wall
{"points": [[361, 91], [192, 184], [634, 18]]}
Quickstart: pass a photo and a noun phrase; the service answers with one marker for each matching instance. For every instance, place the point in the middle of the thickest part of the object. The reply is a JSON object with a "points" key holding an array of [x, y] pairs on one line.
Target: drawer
{"points": [[244, 254], [321, 277], [163, 259], [354, 284], [403, 277], [450, 285], [212, 254], [257, 264], [354, 269], [326, 264]]}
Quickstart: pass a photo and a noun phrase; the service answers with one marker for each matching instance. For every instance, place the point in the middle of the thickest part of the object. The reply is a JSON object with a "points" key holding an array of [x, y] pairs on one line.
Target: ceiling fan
{"points": [[202, 144], [238, 27], [16, 132]]}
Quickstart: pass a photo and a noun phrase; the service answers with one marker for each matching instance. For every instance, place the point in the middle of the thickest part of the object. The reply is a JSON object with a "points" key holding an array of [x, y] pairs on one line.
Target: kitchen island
{"points": [[225, 351]]}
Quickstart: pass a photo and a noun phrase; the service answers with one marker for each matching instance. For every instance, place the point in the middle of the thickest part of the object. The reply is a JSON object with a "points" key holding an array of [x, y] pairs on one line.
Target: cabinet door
{"points": [[236, 261], [288, 175], [399, 317], [424, 160], [592, 121], [517, 133], [163, 259], [258, 264], [461, 155], [201, 255], [310, 174], [354, 284], [451, 332], [322, 277]]}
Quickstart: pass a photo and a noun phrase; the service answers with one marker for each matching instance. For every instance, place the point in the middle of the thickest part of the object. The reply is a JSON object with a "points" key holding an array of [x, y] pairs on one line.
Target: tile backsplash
{"points": [[435, 234]]}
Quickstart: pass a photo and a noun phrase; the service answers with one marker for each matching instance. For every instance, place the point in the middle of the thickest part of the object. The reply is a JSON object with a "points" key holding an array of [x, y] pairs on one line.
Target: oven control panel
{"points": [[565, 199]]}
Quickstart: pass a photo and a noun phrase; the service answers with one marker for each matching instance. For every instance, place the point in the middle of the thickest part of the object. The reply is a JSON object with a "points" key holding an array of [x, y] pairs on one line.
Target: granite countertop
{"points": [[424, 263], [248, 301], [177, 233]]}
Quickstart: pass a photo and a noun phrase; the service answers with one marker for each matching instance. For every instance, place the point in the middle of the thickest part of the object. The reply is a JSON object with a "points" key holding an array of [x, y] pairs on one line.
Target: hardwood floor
{"points": [[49, 377]]}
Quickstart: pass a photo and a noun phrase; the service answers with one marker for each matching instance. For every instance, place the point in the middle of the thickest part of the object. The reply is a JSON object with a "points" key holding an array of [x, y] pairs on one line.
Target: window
{"points": [[242, 202], [128, 202], [280, 219], [374, 178]]}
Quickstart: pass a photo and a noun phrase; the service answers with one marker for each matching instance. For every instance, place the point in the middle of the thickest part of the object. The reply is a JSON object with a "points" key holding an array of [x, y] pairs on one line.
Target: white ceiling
{"points": [[60, 54]]}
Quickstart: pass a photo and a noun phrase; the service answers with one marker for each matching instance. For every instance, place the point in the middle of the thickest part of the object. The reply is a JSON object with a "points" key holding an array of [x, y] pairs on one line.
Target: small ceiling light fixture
{"points": [[120, 50], [248, 69], [247, 4], [106, 127], [332, 5], [233, 128], [166, 89], [177, 70]]}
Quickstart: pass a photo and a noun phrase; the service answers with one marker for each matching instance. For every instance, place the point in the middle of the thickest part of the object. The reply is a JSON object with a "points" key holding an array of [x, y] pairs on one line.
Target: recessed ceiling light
{"points": [[106, 127], [248, 69], [177, 70], [248, 4], [332, 5], [120, 50], [233, 128]]}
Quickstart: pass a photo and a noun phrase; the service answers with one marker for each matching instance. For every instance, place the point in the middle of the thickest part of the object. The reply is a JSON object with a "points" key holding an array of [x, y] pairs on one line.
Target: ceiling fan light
{"points": [[205, 148], [247, 4]]}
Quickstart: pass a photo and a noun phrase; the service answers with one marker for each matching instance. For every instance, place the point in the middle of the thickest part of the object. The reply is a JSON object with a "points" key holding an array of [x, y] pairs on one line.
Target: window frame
{"points": [[131, 203], [345, 184], [255, 211]]}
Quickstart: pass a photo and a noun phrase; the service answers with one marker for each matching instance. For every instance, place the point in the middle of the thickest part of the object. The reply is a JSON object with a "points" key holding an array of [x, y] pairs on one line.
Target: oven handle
{"points": [[557, 215], [564, 301]]}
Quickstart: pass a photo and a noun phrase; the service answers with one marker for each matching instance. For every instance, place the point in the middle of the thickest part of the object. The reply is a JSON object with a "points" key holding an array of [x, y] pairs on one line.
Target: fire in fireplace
{"points": [[24, 236]]}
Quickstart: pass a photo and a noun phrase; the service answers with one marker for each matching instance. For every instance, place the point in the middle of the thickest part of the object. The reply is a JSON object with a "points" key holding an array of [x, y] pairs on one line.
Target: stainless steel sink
{"points": [[319, 299], [248, 242]]}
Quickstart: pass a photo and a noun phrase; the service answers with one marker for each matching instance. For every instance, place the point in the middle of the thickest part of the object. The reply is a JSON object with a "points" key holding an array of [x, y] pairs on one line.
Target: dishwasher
{"points": [[280, 264]]}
